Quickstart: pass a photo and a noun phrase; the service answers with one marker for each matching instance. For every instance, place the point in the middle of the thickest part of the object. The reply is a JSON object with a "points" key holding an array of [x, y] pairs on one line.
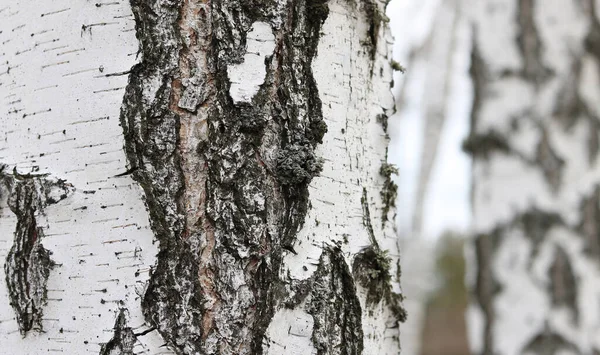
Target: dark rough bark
{"points": [[589, 225], [216, 285], [485, 288], [123, 338], [335, 307], [28, 263]]}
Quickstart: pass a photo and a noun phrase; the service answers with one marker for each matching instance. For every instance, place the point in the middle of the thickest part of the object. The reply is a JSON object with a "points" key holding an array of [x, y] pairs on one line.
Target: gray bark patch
{"points": [[28, 263]]}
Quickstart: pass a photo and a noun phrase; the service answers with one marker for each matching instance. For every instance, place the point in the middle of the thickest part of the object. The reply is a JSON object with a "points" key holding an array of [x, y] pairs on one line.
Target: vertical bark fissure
{"points": [[28, 263]]}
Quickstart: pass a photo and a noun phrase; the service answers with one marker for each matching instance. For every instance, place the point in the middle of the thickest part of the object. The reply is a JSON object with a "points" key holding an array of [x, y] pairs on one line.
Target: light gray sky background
{"points": [[447, 202]]}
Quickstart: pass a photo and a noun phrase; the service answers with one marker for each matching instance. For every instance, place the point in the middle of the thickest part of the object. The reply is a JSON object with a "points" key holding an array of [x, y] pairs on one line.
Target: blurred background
{"points": [[433, 99]]}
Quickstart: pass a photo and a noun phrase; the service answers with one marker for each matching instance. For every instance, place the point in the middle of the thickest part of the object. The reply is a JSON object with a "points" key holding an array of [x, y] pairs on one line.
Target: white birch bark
{"points": [[534, 261], [229, 224]]}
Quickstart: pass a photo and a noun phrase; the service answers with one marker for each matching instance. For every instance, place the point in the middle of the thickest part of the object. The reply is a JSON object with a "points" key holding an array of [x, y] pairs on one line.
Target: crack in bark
{"points": [[28, 263], [123, 339]]}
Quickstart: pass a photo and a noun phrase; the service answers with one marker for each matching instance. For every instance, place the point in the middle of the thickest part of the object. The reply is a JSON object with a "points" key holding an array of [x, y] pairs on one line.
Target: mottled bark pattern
{"points": [[534, 140], [28, 263], [226, 183]]}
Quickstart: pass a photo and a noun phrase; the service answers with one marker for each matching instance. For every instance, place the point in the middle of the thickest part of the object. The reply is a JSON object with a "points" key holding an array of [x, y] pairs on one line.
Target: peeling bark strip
{"points": [[226, 183], [28, 263], [123, 339]]}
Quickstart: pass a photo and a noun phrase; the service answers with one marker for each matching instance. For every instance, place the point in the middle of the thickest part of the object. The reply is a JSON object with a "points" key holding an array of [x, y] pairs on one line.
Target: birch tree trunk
{"points": [[197, 177], [536, 194]]}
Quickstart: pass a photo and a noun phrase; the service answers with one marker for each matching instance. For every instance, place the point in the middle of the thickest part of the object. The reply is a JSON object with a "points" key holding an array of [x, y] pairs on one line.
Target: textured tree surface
{"points": [[228, 190], [535, 125]]}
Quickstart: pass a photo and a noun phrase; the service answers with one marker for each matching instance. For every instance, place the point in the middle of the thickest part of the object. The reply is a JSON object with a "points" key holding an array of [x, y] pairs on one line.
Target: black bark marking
{"points": [[536, 223], [123, 338], [570, 105], [549, 343], [550, 162], [389, 191], [563, 285], [367, 217], [376, 18], [589, 226], [530, 45], [28, 263], [482, 145]]}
